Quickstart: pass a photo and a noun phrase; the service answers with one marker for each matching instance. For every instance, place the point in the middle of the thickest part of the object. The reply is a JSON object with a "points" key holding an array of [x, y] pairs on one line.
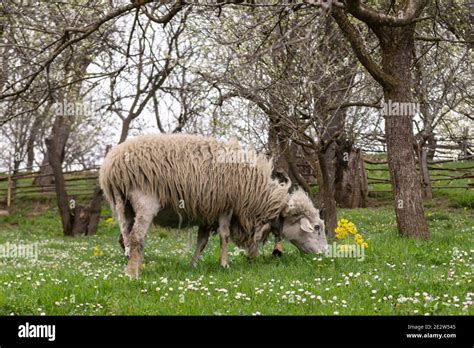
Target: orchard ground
{"points": [[85, 275], [398, 276]]}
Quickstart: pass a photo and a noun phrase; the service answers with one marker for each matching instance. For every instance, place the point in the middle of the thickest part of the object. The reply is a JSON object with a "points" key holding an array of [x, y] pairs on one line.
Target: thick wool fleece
{"points": [[200, 177]]}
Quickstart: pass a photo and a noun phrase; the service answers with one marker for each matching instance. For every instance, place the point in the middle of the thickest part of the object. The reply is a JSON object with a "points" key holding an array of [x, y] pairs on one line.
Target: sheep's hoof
{"points": [[132, 272], [277, 253], [133, 276], [225, 265]]}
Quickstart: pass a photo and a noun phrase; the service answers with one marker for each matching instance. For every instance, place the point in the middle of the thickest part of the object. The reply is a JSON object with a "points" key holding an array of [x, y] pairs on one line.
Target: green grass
{"points": [[85, 275]]}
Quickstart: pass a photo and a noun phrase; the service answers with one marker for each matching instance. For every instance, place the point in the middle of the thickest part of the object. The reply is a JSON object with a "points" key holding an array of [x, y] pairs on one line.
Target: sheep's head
{"points": [[302, 225]]}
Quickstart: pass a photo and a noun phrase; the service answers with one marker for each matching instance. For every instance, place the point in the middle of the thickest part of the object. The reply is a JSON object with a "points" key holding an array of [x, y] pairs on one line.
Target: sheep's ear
{"points": [[305, 225], [282, 178]]}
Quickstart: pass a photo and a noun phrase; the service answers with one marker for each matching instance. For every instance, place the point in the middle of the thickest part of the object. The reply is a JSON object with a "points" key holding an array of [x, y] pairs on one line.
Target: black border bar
{"points": [[267, 330]]}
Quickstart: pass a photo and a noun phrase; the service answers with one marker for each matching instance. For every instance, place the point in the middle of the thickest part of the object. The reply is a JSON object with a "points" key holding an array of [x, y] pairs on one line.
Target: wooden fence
{"points": [[20, 185], [438, 179]]}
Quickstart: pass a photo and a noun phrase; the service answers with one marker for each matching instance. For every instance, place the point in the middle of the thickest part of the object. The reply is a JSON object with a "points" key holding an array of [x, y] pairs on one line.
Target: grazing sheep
{"points": [[204, 181], [295, 224]]}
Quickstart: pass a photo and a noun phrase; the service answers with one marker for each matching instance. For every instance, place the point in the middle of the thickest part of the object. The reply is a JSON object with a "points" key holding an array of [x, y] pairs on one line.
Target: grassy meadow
{"points": [[397, 276], [85, 275]]}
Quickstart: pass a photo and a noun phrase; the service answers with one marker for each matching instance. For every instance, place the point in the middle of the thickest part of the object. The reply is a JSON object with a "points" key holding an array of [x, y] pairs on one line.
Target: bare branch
{"points": [[374, 18], [351, 33]]}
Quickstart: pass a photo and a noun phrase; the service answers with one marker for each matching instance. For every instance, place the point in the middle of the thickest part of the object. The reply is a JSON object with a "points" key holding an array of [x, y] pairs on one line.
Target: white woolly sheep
{"points": [[193, 176]]}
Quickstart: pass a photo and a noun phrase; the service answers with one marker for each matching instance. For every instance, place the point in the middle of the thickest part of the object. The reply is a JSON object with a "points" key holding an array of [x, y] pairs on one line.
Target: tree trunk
{"points": [[431, 145], [278, 143], [425, 175], [327, 159], [60, 185], [30, 159], [314, 163], [397, 45], [294, 172], [125, 128], [35, 129], [86, 219], [5, 61], [75, 218], [30, 149], [351, 179], [60, 134]]}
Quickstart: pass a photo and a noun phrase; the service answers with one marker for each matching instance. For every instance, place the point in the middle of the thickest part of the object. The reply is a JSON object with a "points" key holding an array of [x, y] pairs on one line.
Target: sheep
{"points": [[203, 180], [312, 242]]}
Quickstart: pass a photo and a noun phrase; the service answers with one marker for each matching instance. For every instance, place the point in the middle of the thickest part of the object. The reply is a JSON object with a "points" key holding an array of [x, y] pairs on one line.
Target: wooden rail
{"points": [[84, 182]]}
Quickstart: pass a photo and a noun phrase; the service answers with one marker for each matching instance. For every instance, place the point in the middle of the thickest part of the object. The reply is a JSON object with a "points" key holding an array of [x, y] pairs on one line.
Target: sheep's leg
{"points": [[224, 234], [145, 207], [252, 251], [278, 248], [202, 239], [125, 224]]}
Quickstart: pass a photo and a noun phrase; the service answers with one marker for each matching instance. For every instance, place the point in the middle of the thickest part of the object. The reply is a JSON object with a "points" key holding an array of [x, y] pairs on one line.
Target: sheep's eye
{"points": [[317, 228]]}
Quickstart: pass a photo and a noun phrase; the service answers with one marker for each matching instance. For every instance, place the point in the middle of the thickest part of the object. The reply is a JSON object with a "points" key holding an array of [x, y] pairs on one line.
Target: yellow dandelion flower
{"points": [[97, 252], [340, 232], [345, 228]]}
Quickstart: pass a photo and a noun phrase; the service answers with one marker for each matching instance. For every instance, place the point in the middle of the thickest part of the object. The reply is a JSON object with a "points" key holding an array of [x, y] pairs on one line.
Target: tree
{"points": [[396, 36]]}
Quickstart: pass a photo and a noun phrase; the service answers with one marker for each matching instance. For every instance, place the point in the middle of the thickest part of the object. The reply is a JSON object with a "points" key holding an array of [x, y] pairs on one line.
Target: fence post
{"points": [[9, 190]]}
